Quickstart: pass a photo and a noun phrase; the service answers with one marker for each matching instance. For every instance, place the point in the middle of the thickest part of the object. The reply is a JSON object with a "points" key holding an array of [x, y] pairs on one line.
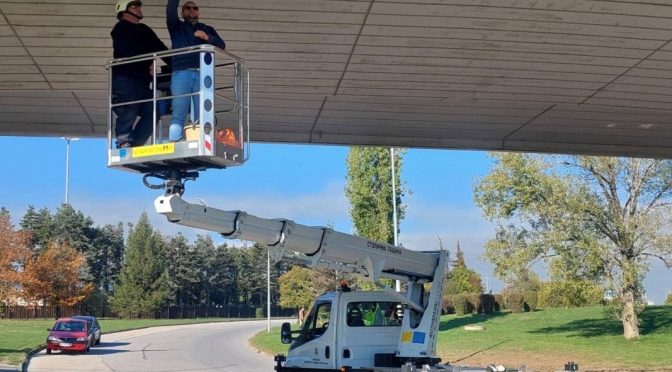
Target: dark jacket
{"points": [[182, 35], [132, 39]]}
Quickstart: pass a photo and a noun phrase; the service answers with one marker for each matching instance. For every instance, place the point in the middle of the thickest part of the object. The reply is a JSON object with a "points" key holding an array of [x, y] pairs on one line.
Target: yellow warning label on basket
{"points": [[161, 149], [406, 337]]}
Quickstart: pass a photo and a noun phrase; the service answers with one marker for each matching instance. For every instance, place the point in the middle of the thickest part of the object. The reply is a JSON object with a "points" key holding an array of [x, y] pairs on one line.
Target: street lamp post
{"points": [[67, 164], [397, 283], [268, 289], [102, 312], [487, 276]]}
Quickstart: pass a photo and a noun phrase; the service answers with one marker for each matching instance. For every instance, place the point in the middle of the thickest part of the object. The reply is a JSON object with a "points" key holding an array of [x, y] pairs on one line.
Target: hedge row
{"points": [[482, 303], [462, 303], [551, 294]]}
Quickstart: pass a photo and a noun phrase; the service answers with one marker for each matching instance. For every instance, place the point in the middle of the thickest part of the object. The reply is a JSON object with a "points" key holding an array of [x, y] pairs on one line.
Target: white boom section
{"points": [[322, 246]]}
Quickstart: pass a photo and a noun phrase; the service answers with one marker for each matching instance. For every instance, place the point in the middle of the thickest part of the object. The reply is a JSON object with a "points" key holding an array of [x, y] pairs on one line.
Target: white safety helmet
{"points": [[122, 5]]}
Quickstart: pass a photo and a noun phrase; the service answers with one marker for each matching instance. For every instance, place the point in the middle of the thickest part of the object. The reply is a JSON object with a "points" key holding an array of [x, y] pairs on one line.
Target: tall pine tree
{"points": [[143, 283], [222, 282], [40, 226]]}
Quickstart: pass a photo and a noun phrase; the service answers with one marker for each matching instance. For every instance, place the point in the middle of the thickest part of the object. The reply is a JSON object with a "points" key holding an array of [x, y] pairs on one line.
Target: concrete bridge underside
{"points": [[571, 76]]}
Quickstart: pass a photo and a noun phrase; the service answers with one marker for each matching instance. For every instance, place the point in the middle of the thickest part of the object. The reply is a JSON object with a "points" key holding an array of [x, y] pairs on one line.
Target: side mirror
{"points": [[286, 333]]}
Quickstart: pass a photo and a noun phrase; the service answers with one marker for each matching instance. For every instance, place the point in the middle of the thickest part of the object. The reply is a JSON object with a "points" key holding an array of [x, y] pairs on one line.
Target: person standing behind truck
{"points": [[186, 76], [130, 82], [302, 316]]}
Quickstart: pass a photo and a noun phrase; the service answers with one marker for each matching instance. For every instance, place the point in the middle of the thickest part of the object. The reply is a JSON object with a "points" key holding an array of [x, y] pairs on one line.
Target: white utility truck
{"points": [[344, 329], [382, 331]]}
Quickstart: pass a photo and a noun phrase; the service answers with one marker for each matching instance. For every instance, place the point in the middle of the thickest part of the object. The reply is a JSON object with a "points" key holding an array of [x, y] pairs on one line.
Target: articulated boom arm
{"points": [[321, 246], [324, 247]]}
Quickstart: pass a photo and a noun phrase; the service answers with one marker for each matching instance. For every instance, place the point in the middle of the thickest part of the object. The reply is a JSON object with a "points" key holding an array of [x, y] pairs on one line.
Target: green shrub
{"points": [[550, 295], [259, 312], [474, 301], [515, 302], [570, 293], [461, 304], [488, 303], [448, 307], [500, 304], [530, 300]]}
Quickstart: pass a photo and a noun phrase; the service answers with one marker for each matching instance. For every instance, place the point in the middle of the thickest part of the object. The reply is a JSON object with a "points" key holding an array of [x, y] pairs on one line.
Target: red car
{"points": [[69, 334]]}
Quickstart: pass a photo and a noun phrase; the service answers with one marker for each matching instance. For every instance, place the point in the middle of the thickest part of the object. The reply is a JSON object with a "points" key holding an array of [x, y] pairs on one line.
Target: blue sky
{"points": [[304, 183]]}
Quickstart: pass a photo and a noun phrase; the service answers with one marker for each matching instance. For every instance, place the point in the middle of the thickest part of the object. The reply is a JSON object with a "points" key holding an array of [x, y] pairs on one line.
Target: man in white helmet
{"points": [[130, 82], [186, 76]]}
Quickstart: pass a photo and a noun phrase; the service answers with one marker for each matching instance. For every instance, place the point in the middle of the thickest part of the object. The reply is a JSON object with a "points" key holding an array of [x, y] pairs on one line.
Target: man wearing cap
{"points": [[186, 77], [130, 82]]}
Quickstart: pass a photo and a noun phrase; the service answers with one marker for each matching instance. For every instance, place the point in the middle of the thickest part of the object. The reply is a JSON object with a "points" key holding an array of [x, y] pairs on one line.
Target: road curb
{"points": [[26, 360]]}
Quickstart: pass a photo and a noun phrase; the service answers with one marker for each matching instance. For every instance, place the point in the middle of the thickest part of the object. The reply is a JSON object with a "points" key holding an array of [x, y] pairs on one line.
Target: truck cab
{"points": [[346, 329]]}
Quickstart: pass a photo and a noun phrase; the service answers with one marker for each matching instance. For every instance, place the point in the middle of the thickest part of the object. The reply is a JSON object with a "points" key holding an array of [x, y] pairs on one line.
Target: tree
{"points": [[106, 256], [40, 226], [459, 257], [297, 288], [14, 253], [369, 189], [461, 279], [591, 217], [257, 278], [205, 250], [102, 247], [668, 300], [183, 267], [257, 257], [74, 228], [222, 282], [243, 274], [143, 283], [570, 293], [57, 275], [521, 292]]}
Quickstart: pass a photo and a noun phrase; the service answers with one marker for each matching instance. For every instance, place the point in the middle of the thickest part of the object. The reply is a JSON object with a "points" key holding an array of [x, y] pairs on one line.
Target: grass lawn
{"points": [[269, 342], [17, 337], [545, 340]]}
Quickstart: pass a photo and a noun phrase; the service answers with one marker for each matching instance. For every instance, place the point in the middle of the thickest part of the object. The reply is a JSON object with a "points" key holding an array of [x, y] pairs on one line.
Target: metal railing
{"points": [[232, 97]]}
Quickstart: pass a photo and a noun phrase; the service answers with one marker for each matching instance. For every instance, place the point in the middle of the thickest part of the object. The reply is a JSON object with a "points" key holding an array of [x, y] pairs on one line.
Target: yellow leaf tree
{"points": [[14, 253], [57, 277]]}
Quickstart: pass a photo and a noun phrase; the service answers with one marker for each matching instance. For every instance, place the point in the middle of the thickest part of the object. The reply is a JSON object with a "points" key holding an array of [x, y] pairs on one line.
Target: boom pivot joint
{"points": [[173, 181]]}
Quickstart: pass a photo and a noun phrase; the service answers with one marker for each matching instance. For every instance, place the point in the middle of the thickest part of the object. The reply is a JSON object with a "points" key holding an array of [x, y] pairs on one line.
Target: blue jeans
{"points": [[127, 89], [183, 82]]}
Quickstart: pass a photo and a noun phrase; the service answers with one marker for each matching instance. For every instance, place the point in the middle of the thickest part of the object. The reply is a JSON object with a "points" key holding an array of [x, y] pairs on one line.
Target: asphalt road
{"points": [[198, 347]]}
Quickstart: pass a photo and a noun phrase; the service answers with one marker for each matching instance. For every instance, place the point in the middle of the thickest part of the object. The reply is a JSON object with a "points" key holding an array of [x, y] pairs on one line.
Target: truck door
{"points": [[370, 328], [315, 347]]}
